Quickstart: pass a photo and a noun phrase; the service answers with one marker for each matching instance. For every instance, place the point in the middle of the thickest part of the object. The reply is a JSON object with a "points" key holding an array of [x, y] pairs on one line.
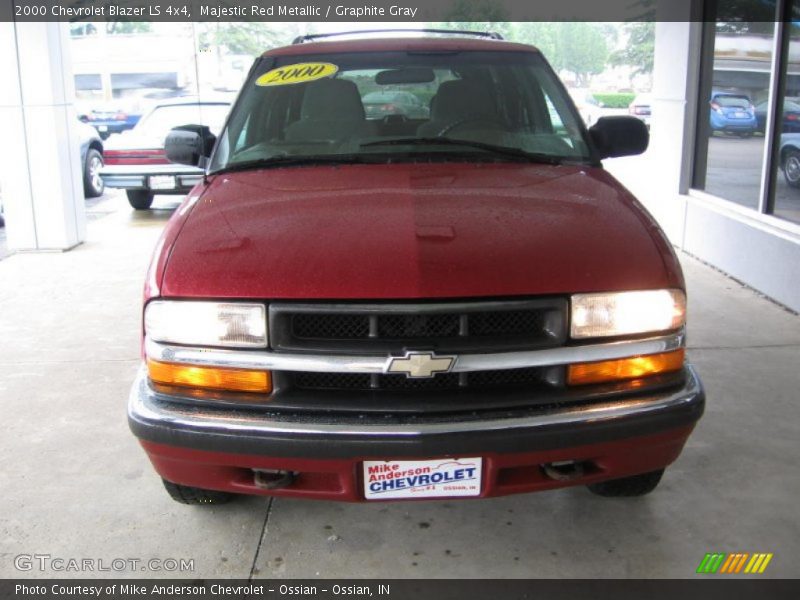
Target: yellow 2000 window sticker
{"points": [[297, 73]]}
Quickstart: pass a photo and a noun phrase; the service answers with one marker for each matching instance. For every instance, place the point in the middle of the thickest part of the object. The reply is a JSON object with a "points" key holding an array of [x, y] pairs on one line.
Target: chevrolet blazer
{"points": [[366, 307]]}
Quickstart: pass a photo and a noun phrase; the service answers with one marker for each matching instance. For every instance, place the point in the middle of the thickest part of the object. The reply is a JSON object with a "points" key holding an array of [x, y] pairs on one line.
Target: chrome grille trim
{"points": [[465, 363]]}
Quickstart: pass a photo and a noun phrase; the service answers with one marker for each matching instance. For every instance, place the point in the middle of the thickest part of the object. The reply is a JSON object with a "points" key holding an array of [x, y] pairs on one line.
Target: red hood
{"points": [[416, 231]]}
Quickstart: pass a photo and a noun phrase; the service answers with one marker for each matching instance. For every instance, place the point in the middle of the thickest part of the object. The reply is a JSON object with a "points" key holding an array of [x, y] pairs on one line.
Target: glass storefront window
{"points": [[738, 90], [733, 109], [785, 202]]}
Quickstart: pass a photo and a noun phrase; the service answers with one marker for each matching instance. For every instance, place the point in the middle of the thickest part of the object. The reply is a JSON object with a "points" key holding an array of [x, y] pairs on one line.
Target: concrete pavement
{"points": [[76, 485]]}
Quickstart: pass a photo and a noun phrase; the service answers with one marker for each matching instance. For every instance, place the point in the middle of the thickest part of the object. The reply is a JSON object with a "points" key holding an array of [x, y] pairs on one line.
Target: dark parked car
{"points": [[473, 307], [136, 162], [381, 104], [91, 160], [791, 116], [732, 113]]}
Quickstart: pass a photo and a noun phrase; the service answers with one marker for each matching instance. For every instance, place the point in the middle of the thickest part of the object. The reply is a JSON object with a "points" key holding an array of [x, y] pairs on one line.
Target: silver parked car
{"points": [[136, 161], [790, 158]]}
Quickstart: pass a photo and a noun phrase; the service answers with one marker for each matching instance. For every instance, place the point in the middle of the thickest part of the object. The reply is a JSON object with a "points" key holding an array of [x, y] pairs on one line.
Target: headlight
{"points": [[626, 313], [206, 323]]}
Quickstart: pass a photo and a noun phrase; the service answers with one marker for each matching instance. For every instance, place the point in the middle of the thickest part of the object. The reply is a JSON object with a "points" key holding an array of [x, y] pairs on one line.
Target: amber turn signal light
{"points": [[625, 368], [236, 380]]}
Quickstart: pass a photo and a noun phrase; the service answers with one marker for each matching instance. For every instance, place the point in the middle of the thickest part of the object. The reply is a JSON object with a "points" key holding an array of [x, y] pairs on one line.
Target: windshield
{"points": [[158, 123], [365, 106]]}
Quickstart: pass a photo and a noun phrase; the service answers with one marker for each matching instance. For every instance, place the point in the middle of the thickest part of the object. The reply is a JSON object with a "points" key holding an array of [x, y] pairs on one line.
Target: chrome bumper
{"points": [[150, 411], [135, 177]]}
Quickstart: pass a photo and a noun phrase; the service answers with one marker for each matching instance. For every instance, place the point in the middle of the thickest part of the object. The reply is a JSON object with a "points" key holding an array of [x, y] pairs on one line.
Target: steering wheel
{"points": [[465, 121]]}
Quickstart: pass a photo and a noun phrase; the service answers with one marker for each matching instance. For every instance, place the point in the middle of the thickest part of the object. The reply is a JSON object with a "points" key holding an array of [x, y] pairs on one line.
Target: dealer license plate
{"points": [[162, 182], [438, 478]]}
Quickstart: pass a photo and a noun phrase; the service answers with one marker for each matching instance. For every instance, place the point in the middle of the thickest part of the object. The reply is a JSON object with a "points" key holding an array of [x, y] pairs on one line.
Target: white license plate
{"points": [[162, 182], [740, 115], [438, 478], [102, 128]]}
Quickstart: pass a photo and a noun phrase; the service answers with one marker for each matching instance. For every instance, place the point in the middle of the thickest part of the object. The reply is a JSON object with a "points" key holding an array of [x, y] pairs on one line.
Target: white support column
{"points": [[40, 171], [676, 64]]}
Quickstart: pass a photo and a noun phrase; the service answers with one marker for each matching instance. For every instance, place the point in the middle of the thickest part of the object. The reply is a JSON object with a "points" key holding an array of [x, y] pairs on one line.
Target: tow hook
{"points": [[565, 470], [272, 480]]}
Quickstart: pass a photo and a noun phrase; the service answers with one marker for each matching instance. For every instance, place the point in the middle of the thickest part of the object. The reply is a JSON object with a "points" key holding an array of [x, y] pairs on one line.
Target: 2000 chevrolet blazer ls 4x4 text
{"points": [[398, 308]]}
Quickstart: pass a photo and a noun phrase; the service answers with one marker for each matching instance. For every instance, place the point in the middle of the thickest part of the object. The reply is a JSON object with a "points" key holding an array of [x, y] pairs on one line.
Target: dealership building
{"points": [[728, 198]]}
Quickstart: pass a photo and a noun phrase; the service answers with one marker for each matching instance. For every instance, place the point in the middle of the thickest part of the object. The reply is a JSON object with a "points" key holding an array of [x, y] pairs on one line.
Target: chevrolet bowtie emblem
{"points": [[420, 364]]}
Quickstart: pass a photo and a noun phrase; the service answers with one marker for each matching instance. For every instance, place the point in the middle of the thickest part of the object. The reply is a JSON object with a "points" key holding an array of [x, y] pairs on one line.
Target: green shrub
{"points": [[614, 99]]}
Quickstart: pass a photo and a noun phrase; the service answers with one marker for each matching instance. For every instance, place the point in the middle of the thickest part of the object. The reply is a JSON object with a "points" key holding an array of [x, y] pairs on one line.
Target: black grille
{"points": [[321, 326], [332, 381], [453, 327], [507, 378], [512, 322], [417, 326]]}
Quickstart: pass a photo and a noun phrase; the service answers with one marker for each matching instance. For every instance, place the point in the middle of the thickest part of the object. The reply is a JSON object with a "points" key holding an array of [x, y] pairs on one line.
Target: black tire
{"points": [[192, 495], [791, 167], [638, 485], [93, 185], [140, 199]]}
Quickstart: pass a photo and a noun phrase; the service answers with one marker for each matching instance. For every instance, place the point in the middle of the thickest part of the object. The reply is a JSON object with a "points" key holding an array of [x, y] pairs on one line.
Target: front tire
{"points": [[140, 199], [791, 168], [93, 185], [185, 494], [628, 487]]}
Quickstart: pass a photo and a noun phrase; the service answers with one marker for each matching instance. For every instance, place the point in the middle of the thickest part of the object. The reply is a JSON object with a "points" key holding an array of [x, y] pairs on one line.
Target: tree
{"points": [[541, 34], [582, 49], [251, 38], [476, 15], [639, 48]]}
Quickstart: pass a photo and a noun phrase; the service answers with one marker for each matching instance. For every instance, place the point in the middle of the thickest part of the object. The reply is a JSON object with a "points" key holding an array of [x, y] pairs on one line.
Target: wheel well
{"points": [[785, 152], [95, 145]]}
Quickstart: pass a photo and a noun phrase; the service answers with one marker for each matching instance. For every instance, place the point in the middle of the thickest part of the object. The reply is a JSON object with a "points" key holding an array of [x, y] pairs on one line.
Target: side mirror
{"points": [[619, 136], [189, 145]]}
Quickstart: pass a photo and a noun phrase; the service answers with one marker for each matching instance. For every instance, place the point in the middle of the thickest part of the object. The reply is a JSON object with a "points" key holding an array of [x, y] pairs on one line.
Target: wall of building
{"points": [[760, 250]]}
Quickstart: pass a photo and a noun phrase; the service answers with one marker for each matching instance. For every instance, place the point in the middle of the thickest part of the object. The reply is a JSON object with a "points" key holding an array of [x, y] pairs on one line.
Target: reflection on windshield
{"points": [[507, 105]]}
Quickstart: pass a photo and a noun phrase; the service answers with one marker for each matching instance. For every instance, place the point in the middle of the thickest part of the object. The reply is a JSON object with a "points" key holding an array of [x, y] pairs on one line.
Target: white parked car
{"points": [[641, 108], [136, 161]]}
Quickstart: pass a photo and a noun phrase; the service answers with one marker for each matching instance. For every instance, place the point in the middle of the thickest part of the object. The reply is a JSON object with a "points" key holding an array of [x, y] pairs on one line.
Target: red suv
{"points": [[366, 309]]}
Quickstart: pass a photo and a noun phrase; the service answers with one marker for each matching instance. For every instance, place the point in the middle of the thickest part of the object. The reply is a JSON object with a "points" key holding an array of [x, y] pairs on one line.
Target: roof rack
{"points": [[492, 35]]}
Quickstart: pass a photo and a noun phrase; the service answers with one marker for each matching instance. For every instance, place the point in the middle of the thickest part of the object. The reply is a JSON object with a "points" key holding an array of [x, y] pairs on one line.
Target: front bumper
{"points": [[219, 449]]}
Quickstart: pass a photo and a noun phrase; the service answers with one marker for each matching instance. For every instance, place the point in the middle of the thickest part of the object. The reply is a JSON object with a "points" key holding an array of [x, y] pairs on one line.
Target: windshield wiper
{"points": [[538, 157], [290, 161]]}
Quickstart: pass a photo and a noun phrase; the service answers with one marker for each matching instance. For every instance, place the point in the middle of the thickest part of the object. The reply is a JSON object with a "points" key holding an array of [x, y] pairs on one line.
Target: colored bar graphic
{"points": [[723, 563], [741, 562], [765, 563], [732, 558], [711, 563]]}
